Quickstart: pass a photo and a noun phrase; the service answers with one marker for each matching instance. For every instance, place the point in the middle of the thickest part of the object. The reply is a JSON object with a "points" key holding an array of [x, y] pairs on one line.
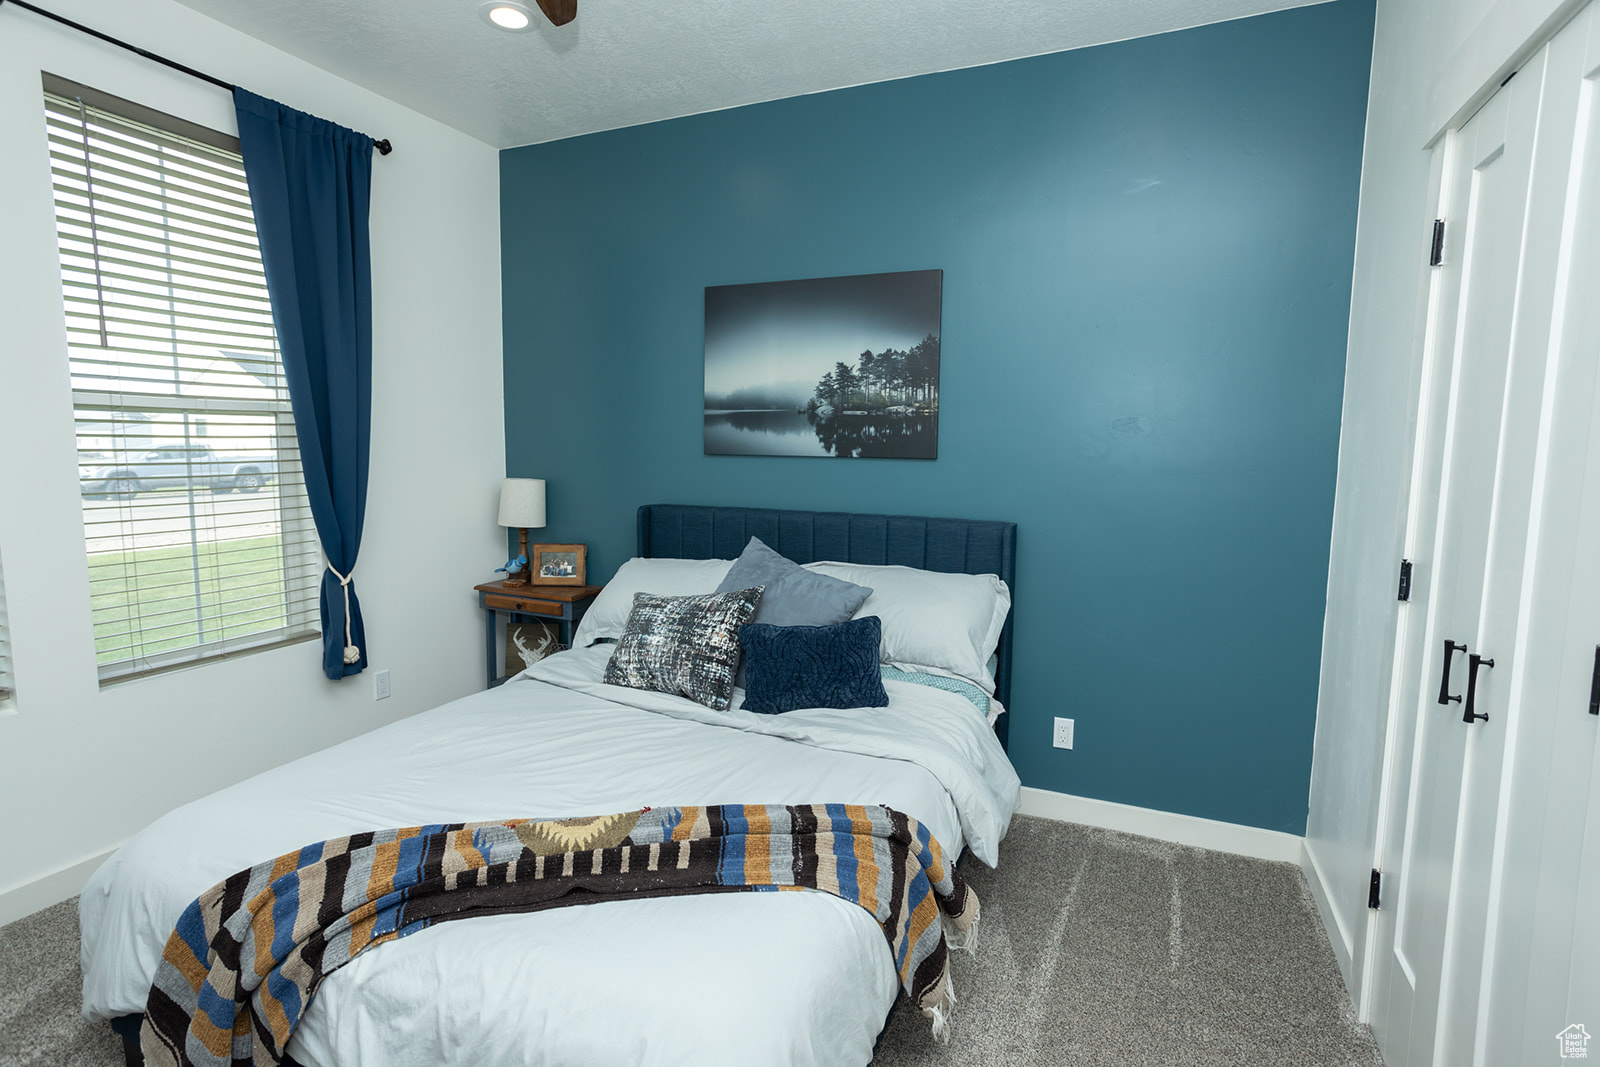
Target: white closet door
{"points": [[1476, 444], [1542, 969], [1488, 945], [1583, 970]]}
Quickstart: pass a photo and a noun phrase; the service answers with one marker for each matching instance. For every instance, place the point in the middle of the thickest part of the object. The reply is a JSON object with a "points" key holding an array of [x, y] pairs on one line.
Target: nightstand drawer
{"points": [[527, 605]]}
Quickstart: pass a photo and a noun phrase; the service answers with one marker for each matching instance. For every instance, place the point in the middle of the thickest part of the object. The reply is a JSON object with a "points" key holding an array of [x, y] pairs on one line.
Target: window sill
{"points": [[190, 662]]}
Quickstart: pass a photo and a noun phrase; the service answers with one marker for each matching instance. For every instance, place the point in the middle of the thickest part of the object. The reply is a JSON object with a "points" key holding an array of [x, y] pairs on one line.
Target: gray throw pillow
{"points": [[684, 645], [794, 596]]}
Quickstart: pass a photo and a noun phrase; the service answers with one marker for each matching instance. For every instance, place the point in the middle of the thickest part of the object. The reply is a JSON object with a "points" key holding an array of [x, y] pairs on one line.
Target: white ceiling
{"points": [[624, 62]]}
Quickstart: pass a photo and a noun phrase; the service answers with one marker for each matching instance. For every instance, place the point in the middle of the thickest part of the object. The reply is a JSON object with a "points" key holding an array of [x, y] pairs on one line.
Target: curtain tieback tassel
{"points": [[352, 654]]}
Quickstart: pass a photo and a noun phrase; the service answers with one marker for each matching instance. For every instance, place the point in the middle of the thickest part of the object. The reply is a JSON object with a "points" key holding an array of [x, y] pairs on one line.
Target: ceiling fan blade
{"points": [[559, 12]]}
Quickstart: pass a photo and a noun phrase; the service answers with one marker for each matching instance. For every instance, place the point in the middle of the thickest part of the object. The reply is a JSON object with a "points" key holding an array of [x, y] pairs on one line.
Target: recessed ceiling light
{"points": [[506, 15]]}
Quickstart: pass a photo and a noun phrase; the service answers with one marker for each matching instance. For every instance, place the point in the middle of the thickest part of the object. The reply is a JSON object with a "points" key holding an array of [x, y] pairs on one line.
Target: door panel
{"points": [[1505, 613], [1484, 198], [1489, 943], [1542, 964]]}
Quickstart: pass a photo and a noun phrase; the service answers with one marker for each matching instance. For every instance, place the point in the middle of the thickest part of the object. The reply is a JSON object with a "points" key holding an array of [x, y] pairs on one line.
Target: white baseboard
{"points": [[53, 888], [1164, 825]]}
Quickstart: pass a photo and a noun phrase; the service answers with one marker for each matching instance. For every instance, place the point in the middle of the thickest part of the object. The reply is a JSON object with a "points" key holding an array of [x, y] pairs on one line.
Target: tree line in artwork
{"points": [[880, 380]]}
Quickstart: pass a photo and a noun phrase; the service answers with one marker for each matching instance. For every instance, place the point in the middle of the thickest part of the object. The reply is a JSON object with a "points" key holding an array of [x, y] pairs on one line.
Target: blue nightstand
{"points": [[562, 605]]}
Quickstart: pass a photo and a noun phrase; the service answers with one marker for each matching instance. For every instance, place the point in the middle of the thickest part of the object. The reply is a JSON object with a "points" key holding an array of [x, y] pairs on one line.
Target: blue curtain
{"points": [[310, 188]]}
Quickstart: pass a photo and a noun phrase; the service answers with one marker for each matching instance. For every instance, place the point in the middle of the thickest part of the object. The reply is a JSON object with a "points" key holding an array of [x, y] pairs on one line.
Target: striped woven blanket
{"points": [[248, 955]]}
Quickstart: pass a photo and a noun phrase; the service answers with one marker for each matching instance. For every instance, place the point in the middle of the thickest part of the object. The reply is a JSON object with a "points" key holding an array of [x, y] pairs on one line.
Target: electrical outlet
{"points": [[380, 685], [1063, 736]]}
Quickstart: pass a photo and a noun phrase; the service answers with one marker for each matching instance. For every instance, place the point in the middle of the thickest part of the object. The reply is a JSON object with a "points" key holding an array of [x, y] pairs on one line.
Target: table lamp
{"points": [[522, 507]]}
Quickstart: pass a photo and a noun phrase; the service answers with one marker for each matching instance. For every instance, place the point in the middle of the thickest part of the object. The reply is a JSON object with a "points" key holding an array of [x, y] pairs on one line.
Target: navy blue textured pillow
{"points": [[788, 667]]}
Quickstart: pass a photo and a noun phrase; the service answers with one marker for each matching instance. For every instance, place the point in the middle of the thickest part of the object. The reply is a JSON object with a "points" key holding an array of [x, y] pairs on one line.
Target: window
{"points": [[198, 532]]}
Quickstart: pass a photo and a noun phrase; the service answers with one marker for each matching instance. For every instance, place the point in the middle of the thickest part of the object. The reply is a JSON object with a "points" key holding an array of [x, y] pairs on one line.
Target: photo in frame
{"points": [[558, 564], [846, 367], [529, 642]]}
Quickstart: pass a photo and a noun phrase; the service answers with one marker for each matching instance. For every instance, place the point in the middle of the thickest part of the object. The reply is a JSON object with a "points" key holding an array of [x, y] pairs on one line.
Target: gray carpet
{"points": [[1095, 948], [41, 991], [1099, 949]]}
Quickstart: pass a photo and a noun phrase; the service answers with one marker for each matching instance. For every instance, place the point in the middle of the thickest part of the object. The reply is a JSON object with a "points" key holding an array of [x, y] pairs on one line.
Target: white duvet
{"points": [[742, 978]]}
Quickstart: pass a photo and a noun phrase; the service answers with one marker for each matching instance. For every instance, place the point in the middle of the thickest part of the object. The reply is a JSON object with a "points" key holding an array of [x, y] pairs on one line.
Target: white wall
{"points": [[81, 767], [1432, 59]]}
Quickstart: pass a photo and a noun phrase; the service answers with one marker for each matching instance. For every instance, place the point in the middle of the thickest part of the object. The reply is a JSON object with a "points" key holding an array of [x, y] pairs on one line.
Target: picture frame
{"points": [[844, 367], [529, 642], [558, 564]]}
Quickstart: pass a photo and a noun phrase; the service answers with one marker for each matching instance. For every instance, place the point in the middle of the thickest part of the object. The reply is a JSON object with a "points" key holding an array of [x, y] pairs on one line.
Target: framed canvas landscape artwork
{"points": [[843, 367]]}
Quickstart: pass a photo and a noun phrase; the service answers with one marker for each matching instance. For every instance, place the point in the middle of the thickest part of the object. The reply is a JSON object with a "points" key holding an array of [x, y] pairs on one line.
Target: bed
{"points": [[677, 979]]}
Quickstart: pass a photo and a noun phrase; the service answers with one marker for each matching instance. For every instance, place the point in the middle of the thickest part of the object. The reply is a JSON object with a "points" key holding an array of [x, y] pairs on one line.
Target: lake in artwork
{"points": [[833, 367]]}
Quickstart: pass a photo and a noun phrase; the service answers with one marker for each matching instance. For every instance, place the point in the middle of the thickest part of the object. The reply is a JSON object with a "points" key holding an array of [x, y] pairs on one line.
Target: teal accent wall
{"points": [[1147, 250]]}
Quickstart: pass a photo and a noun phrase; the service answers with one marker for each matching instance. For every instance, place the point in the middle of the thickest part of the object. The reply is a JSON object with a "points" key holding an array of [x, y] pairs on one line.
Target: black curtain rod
{"points": [[383, 146]]}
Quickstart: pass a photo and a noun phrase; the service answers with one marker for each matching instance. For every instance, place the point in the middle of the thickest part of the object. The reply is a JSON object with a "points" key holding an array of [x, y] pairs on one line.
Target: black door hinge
{"points": [[1436, 255], [1405, 579], [1372, 889]]}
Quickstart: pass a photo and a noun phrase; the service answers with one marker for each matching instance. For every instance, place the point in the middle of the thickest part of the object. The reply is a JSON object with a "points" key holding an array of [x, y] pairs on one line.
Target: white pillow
{"points": [[608, 615], [933, 622]]}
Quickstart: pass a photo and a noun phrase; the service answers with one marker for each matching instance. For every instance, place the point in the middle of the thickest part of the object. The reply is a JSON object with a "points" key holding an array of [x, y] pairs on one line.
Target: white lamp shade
{"points": [[522, 502]]}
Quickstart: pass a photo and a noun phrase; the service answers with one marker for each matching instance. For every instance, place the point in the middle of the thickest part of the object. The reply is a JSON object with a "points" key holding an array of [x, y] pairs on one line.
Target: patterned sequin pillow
{"points": [[685, 645]]}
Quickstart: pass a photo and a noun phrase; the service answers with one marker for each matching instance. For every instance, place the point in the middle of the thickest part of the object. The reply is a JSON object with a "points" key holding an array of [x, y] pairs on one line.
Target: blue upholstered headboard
{"points": [[959, 546]]}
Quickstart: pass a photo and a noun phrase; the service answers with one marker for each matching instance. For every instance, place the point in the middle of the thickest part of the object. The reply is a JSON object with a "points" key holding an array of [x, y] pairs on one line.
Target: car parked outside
{"points": [[172, 467]]}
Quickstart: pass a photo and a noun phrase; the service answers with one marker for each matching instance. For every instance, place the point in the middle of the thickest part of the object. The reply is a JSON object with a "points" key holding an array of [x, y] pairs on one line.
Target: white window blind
{"points": [[5, 646], [199, 536]]}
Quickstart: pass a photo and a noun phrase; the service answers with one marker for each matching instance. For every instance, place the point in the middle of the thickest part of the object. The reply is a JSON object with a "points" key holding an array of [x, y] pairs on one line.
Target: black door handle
{"points": [[1450, 649], [1474, 661], [1594, 684]]}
